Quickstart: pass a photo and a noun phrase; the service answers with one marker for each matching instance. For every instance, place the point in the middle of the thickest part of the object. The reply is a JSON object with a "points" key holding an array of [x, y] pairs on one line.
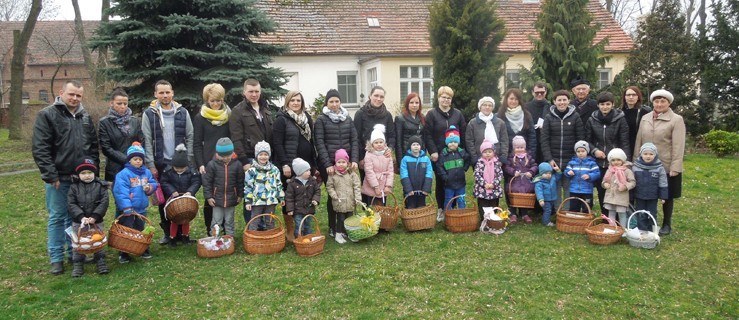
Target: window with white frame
{"points": [[43, 95], [371, 79], [417, 79], [513, 77], [604, 78], [347, 85]]}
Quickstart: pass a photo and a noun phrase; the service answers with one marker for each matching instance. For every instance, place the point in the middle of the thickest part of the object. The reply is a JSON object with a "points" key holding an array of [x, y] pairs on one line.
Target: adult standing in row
{"points": [[632, 104], [666, 130], [251, 122], [210, 125], [117, 131], [374, 112], [63, 134], [334, 130], [409, 124], [605, 130], [582, 102], [486, 125], [438, 120], [292, 135], [538, 107], [165, 125]]}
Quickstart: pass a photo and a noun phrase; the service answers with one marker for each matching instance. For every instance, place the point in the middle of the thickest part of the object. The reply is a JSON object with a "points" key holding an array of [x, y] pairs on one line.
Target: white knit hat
{"points": [[661, 93], [616, 153], [483, 100], [378, 132]]}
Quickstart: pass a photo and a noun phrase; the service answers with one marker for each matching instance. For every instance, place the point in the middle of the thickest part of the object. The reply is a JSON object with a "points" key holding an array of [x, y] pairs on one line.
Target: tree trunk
{"points": [[80, 30], [17, 70], [102, 54]]}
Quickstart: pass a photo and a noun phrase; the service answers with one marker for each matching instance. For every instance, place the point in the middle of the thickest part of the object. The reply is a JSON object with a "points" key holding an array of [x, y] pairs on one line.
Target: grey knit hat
{"points": [[648, 147], [582, 144], [262, 146], [300, 166]]}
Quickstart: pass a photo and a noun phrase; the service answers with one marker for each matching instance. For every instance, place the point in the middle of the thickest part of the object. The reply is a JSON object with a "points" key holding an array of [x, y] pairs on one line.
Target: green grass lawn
{"points": [[529, 272]]}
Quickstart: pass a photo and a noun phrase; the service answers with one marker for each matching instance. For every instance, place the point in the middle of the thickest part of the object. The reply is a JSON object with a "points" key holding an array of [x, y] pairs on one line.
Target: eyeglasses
{"points": [[539, 92]]}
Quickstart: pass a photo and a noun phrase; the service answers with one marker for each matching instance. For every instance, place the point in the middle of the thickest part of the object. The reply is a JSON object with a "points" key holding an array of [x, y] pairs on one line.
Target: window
{"points": [[513, 78], [43, 95], [373, 22], [347, 86], [26, 95], [371, 79], [604, 78], [417, 79]]}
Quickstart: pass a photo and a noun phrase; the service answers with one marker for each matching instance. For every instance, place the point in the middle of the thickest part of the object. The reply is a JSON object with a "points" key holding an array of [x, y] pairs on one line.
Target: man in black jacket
{"points": [[582, 102], [62, 134]]}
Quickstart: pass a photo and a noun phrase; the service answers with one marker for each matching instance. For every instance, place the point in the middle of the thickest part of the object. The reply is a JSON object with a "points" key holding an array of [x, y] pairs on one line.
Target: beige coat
{"points": [[613, 195], [344, 191], [667, 132]]}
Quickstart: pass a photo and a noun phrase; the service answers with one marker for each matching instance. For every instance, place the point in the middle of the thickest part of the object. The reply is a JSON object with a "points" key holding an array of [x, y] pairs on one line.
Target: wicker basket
{"points": [[423, 218], [389, 214], [182, 209], [573, 222], [642, 242], [496, 224], [520, 200], [204, 252], [89, 247], [310, 247], [356, 231], [264, 242], [127, 239], [597, 235], [461, 220]]}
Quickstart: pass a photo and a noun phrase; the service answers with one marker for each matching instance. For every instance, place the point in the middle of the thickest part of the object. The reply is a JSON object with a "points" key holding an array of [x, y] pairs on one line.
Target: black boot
{"points": [[57, 268], [186, 240], [102, 267], [78, 269], [165, 229], [667, 222], [172, 242]]}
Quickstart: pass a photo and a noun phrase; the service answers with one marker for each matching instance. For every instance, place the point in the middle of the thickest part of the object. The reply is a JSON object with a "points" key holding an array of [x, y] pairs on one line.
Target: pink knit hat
{"points": [[486, 144], [519, 142], [341, 155]]}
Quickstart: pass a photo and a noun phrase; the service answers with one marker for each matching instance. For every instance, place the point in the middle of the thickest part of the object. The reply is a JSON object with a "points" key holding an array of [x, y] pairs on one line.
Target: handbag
{"points": [[157, 198]]}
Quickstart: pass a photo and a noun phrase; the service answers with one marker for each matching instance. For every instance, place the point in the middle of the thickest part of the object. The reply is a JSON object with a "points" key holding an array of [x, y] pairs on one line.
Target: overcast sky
{"points": [[90, 9]]}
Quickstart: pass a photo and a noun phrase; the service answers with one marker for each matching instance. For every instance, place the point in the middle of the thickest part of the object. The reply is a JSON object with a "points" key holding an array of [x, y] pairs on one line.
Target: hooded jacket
{"points": [[299, 196], [651, 180], [88, 200], [128, 189], [188, 181], [452, 167], [223, 181], [606, 136], [262, 185], [559, 135], [416, 173], [546, 189], [579, 167], [152, 126]]}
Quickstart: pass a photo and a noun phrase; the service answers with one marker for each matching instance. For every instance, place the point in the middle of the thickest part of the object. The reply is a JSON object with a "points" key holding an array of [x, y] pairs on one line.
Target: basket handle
{"points": [[282, 226], [474, 205], [592, 222], [417, 192], [90, 227], [300, 228], [574, 198], [136, 215], [628, 221], [395, 200]]}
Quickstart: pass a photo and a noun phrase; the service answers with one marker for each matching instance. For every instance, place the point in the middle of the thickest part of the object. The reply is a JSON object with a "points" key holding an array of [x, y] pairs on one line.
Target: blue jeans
{"points": [[306, 226], [56, 203], [450, 193], [644, 222], [548, 207]]}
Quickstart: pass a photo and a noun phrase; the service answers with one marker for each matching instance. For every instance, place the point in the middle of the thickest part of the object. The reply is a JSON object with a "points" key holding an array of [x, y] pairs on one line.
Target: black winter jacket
{"points": [[559, 135], [538, 109], [604, 137], [330, 136], [437, 122], [88, 200], [223, 182], [298, 196], [61, 139], [585, 108], [246, 130], [114, 144], [205, 138], [171, 181], [405, 128], [633, 119], [288, 144], [366, 123], [452, 166]]}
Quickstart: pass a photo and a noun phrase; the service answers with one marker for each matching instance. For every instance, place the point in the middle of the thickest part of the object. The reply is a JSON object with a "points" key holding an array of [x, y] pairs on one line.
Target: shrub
{"points": [[722, 143]]}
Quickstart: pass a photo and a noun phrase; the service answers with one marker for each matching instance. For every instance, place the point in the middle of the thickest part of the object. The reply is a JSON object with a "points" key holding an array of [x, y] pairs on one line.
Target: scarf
{"points": [[340, 170], [618, 172], [605, 119], [121, 120], [372, 111], [137, 171], [488, 174], [655, 164], [490, 134], [302, 121], [336, 117], [515, 118], [216, 117]]}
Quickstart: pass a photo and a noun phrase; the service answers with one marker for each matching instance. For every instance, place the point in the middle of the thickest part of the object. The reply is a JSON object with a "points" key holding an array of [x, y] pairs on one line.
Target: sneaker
{"points": [[78, 269], [527, 219], [551, 224], [57, 268], [146, 255], [164, 240], [339, 238], [172, 243], [124, 258], [439, 215], [102, 267], [513, 219]]}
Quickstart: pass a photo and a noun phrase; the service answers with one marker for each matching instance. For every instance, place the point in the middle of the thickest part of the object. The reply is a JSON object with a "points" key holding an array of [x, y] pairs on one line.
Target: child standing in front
{"points": [[344, 189], [416, 174], [452, 164], [378, 169], [488, 178], [222, 183], [88, 202], [546, 190], [583, 171], [263, 187], [651, 184], [617, 181], [179, 179], [302, 195], [521, 168], [133, 186]]}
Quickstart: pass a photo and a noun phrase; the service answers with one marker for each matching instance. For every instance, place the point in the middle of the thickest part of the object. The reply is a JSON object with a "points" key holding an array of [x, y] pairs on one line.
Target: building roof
{"points": [[319, 27], [50, 40]]}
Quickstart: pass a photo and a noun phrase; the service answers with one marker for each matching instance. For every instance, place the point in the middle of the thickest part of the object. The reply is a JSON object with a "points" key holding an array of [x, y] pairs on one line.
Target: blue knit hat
{"points": [[452, 135], [545, 167], [224, 147], [135, 150]]}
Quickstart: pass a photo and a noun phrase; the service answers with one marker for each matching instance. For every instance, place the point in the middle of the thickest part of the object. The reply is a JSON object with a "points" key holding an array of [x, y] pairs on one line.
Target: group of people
{"points": [[245, 155]]}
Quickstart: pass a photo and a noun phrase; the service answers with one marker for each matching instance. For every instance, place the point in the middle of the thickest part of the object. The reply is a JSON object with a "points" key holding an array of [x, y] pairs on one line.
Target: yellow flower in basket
{"points": [[367, 222]]}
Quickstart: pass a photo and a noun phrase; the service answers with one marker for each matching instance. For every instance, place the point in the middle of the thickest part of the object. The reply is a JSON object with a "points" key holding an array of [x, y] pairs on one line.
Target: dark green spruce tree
{"points": [[189, 43], [567, 49], [464, 37]]}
